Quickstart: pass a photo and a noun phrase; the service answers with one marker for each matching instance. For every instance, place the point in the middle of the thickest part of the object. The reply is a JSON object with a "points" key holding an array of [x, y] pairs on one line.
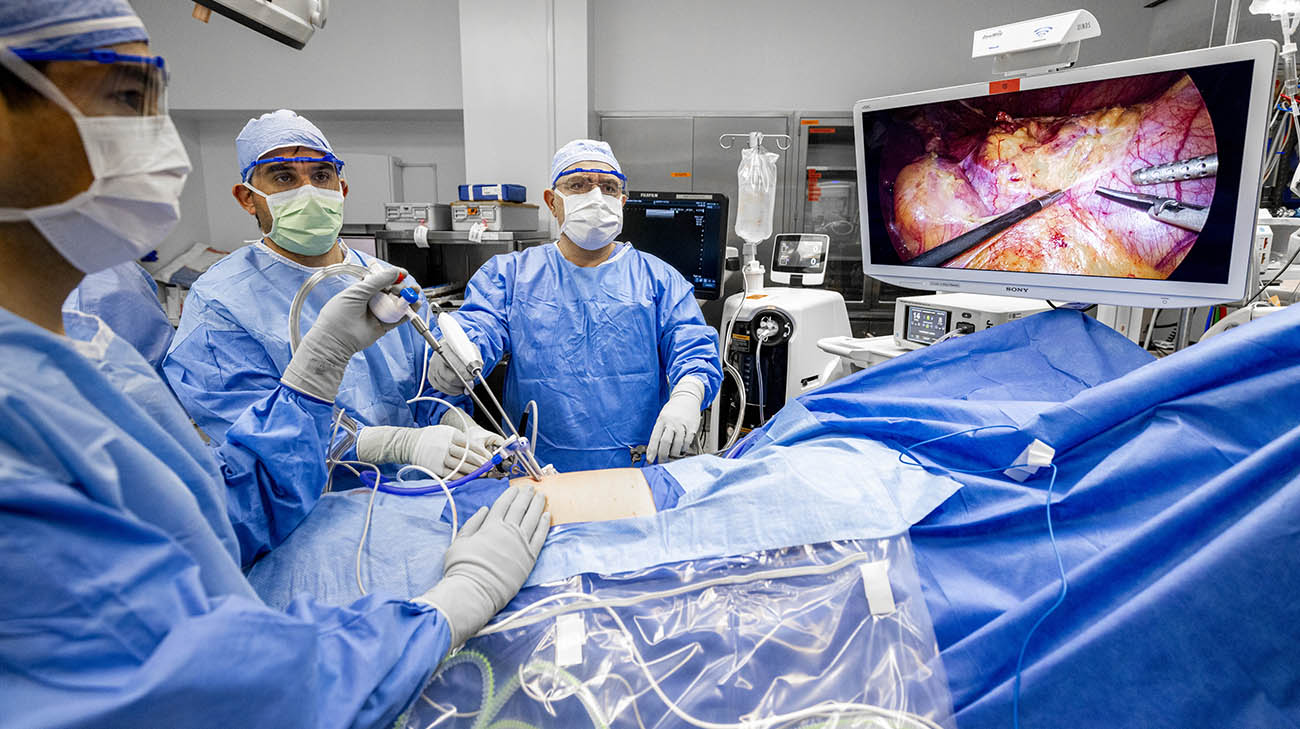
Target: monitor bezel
{"points": [[717, 197], [1093, 289]]}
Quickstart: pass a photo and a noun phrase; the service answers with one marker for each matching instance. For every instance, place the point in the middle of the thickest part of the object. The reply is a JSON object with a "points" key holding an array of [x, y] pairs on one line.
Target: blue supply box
{"points": [[506, 193]]}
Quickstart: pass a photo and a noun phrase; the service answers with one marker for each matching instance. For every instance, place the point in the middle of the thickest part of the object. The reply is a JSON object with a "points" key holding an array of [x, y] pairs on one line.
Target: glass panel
{"points": [[830, 204]]}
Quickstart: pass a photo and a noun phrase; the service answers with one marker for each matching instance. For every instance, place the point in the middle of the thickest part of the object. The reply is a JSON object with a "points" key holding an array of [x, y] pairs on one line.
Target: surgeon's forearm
{"points": [[273, 462], [604, 495]]}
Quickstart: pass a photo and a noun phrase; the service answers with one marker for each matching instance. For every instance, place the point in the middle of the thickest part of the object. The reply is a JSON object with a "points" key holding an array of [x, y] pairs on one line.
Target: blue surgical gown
{"points": [[599, 349], [123, 603], [126, 298], [233, 344]]}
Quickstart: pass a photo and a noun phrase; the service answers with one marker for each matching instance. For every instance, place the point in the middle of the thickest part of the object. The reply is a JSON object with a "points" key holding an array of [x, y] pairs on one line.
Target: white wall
{"points": [[414, 137], [372, 54], [509, 122], [193, 226], [815, 55]]}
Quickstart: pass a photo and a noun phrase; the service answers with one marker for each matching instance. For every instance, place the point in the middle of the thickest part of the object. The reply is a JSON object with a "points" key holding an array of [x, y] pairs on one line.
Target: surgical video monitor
{"points": [[1131, 183], [687, 230]]}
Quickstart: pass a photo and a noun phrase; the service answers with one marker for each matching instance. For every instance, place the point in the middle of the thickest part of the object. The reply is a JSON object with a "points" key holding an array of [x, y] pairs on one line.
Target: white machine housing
{"points": [[922, 320], [1041, 45], [292, 22], [791, 322]]}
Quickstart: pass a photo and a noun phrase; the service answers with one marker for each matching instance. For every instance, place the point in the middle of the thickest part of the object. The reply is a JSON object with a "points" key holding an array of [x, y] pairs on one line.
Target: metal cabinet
{"points": [[680, 153], [655, 152], [825, 200]]}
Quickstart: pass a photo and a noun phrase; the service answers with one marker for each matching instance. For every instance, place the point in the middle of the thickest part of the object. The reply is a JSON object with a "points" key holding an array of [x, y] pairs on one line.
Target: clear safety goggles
{"points": [[579, 181], [338, 163], [110, 84]]}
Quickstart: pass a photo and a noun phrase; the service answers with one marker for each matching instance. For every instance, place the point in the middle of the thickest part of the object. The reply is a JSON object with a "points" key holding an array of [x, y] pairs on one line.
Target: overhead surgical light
{"points": [[292, 22]]}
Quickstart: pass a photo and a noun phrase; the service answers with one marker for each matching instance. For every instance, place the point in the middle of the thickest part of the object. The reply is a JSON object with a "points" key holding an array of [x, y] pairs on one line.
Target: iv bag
{"points": [[757, 180]]}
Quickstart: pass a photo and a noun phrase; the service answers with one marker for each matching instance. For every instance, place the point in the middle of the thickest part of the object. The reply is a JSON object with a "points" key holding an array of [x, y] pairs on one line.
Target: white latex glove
{"points": [[438, 448], [344, 327], [443, 378], [489, 561], [678, 422], [478, 437]]}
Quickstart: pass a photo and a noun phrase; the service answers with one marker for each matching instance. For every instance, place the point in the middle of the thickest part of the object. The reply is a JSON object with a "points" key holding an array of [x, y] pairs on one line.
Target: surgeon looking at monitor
{"points": [[607, 340], [232, 344], [124, 602]]}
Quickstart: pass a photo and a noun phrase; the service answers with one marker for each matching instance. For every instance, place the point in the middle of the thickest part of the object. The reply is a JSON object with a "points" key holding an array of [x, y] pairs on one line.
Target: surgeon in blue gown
{"points": [[125, 297], [608, 340], [124, 604], [232, 344]]}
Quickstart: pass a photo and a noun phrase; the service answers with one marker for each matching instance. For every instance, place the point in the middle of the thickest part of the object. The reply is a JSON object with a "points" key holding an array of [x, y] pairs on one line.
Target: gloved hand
{"points": [[679, 421], [438, 448], [489, 560], [479, 437], [344, 327], [443, 378]]}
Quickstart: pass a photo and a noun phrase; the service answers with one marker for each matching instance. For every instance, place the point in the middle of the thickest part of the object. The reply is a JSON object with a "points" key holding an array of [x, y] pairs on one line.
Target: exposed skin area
{"points": [[603, 495], [43, 162], [575, 254], [283, 176], [978, 163]]}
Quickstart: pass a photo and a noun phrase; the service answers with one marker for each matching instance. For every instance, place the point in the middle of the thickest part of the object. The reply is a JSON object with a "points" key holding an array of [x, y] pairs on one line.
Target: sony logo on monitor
{"points": [[1017, 289]]}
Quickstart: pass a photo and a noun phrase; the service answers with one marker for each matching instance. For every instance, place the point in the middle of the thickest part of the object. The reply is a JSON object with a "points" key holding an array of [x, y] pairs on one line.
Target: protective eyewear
{"points": [[609, 182], [338, 163], [115, 84]]}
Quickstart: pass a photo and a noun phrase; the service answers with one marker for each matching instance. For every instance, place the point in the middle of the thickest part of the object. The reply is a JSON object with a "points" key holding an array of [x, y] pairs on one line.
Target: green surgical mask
{"points": [[305, 220]]}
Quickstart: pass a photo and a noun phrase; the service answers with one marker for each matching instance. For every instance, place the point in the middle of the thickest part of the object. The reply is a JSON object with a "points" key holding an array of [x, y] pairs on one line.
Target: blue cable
{"points": [[387, 486], [1015, 694], [1051, 534]]}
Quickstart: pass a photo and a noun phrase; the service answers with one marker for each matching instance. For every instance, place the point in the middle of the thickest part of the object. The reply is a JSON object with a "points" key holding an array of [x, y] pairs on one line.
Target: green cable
{"points": [[484, 668]]}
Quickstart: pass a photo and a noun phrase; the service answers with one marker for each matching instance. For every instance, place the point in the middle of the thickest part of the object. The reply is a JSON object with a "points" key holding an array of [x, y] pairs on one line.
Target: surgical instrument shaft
{"points": [[1180, 171], [945, 252], [531, 466]]}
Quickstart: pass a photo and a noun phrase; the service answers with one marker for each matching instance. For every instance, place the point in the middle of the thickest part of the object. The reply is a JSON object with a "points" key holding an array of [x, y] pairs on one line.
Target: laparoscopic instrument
{"points": [[455, 349], [1164, 209], [1185, 169], [949, 250]]}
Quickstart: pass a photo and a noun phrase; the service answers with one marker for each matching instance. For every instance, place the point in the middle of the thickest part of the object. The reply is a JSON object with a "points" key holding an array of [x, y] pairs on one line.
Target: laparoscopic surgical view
{"points": [[1107, 178]]}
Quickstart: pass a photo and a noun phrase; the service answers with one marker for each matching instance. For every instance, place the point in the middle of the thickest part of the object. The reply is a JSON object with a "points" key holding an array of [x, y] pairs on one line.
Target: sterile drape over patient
{"points": [[1162, 501]]}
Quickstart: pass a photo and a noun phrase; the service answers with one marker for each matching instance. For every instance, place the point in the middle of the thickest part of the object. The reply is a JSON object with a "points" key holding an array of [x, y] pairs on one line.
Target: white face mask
{"points": [[139, 166], [591, 220]]}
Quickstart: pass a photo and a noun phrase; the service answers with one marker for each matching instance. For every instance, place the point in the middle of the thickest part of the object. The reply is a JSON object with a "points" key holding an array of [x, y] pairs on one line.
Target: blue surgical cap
{"points": [[68, 25], [281, 128], [582, 150]]}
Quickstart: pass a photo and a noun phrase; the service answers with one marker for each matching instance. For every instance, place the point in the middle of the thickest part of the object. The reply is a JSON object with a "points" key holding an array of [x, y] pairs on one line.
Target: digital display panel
{"points": [[1117, 177], [686, 230], [925, 326], [797, 253]]}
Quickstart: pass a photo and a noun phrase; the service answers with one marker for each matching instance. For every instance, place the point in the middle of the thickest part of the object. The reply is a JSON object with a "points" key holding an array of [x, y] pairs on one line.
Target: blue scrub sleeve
{"points": [[485, 315], [218, 372], [112, 627], [687, 345], [273, 462]]}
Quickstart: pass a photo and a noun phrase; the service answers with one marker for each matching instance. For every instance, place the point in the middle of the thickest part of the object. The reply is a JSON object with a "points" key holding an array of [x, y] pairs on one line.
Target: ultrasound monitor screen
{"points": [[685, 230]]}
